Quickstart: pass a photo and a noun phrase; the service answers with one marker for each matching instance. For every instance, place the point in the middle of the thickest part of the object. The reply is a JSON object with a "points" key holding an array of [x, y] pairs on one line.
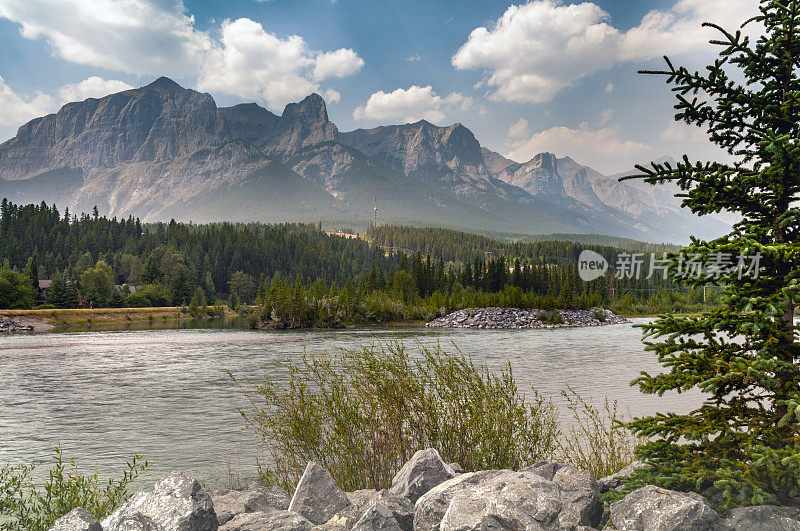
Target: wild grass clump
{"points": [[362, 413], [24, 504], [596, 441]]}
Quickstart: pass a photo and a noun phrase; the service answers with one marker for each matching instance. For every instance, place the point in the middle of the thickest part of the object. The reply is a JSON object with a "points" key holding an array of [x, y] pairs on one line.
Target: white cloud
{"points": [[413, 58], [332, 96], [339, 63], [605, 116], [539, 48], [521, 129], [682, 132], [133, 36], [410, 105], [610, 87], [91, 87], [253, 63], [157, 37], [602, 148], [16, 110]]}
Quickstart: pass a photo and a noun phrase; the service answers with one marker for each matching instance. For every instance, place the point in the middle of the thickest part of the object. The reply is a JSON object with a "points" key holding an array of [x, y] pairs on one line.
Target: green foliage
{"points": [[137, 300], [24, 504], [233, 302], [97, 284], [744, 441], [243, 285], [157, 294], [600, 316], [16, 290], [197, 306], [362, 414], [552, 317], [595, 440], [61, 293]]}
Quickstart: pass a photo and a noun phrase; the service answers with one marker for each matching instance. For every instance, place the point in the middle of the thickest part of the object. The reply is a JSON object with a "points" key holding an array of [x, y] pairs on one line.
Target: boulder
{"points": [[177, 503], [654, 509], [269, 520], [420, 474], [432, 506], [377, 516], [512, 500], [230, 503], [546, 469], [401, 508], [317, 497], [77, 520], [764, 518], [580, 505], [613, 481]]}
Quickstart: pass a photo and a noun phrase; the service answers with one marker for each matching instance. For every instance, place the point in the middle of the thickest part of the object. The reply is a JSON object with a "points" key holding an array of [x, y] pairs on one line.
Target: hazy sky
{"points": [[524, 77]]}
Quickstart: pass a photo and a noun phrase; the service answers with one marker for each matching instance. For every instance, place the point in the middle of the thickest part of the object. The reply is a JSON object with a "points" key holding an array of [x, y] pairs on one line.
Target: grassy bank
{"points": [[62, 320]]}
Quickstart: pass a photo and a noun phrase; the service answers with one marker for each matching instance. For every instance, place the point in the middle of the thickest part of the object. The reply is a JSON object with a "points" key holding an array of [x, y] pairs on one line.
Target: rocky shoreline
{"points": [[428, 494], [9, 325], [511, 318]]}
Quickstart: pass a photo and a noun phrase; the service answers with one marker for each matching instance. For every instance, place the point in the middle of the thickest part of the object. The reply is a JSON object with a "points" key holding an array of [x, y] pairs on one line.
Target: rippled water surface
{"points": [[167, 394]]}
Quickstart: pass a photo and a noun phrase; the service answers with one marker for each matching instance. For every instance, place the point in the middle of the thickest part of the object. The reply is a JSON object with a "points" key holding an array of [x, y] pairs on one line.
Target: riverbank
{"points": [[429, 493], [72, 320], [515, 318]]}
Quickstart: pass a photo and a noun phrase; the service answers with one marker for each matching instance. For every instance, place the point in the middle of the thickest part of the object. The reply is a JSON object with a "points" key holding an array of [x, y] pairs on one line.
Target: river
{"points": [[167, 394]]}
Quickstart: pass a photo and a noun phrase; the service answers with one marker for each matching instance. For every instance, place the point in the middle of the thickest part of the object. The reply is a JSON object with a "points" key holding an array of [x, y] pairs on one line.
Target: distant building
{"points": [[44, 286]]}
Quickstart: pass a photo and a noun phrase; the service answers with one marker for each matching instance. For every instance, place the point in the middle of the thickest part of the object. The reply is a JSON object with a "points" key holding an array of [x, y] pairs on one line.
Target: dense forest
{"points": [[463, 247], [394, 273]]}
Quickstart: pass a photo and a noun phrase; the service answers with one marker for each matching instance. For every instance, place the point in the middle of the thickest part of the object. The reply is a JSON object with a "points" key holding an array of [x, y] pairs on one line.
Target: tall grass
{"points": [[595, 441], [362, 413], [26, 504]]}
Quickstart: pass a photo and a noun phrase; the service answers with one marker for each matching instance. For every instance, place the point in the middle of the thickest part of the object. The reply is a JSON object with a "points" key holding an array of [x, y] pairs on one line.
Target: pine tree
{"points": [[744, 440]]}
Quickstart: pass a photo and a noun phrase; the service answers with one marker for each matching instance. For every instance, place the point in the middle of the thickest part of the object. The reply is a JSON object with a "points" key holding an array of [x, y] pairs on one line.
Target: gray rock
{"points": [[362, 501], [137, 522], [420, 474], [654, 509], [229, 503], [579, 503], [77, 520], [177, 502], [269, 520], [546, 469], [432, 506], [377, 516], [613, 481], [317, 497], [764, 518], [511, 500], [510, 318], [458, 469]]}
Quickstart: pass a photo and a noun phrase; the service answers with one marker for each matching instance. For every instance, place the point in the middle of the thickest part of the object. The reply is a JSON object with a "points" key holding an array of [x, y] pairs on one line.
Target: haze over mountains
{"points": [[162, 151]]}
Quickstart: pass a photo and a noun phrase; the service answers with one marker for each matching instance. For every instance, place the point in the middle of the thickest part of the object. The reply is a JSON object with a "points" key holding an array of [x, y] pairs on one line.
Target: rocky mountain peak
{"points": [[311, 109], [164, 83]]}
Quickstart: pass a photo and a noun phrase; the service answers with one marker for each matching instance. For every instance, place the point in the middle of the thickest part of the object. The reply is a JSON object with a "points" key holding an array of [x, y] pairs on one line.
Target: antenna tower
{"points": [[375, 212]]}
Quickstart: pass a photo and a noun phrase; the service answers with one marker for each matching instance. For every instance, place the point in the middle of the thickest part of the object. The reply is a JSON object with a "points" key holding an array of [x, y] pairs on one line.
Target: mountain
{"points": [[162, 151]]}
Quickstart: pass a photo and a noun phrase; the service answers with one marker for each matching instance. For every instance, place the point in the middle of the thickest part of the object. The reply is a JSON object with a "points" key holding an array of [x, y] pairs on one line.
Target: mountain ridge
{"points": [[162, 150]]}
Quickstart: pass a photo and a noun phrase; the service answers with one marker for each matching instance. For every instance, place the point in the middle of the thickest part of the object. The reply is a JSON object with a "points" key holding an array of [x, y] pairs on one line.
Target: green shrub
{"points": [[599, 315], [137, 300], [26, 505], [552, 317], [362, 414], [47, 307], [596, 441]]}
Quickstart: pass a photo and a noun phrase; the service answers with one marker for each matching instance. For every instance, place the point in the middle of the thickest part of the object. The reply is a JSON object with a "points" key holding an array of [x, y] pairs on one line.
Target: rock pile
{"points": [[428, 494], [507, 318], [8, 324]]}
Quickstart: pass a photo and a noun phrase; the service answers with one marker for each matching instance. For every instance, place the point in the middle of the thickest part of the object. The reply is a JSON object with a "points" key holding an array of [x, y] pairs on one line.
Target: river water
{"points": [[167, 393]]}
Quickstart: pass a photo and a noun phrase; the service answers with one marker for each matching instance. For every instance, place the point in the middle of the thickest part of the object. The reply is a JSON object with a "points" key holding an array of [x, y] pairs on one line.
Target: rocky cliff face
{"points": [[440, 155], [163, 151]]}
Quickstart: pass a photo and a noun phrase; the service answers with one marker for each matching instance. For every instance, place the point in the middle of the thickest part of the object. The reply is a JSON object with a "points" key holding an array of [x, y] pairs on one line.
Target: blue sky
{"points": [[524, 77]]}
